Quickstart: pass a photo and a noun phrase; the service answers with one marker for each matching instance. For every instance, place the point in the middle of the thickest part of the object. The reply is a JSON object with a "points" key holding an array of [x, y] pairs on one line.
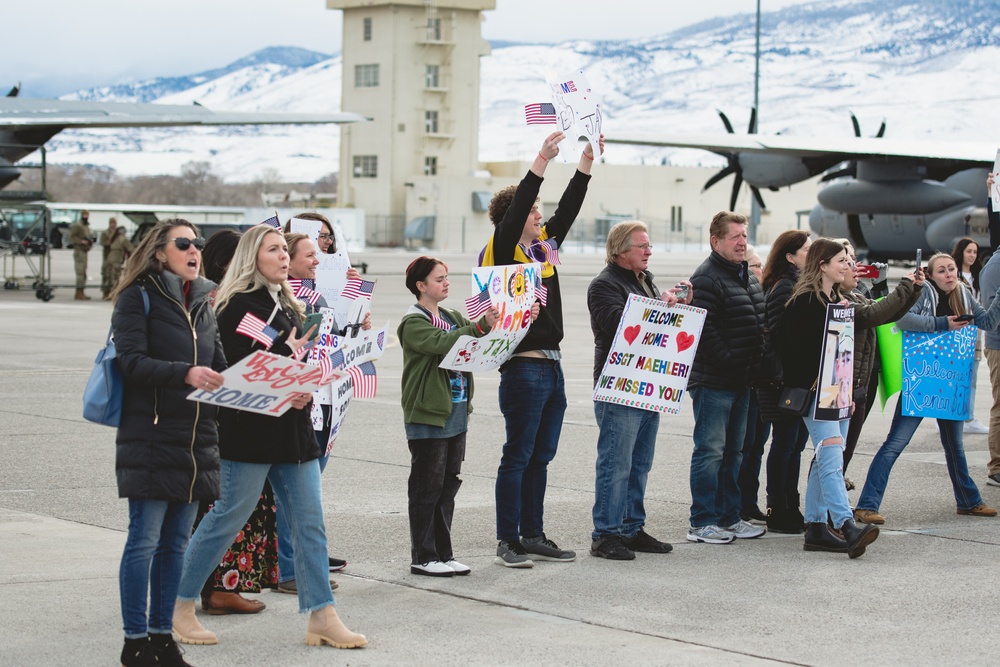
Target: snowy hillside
{"points": [[921, 65]]}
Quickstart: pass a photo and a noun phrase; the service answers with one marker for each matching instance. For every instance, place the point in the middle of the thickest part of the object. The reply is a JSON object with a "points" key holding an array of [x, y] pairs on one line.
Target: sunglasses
{"points": [[183, 243]]}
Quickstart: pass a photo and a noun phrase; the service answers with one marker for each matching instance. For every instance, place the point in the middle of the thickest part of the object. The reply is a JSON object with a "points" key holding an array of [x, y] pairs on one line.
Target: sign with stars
{"points": [[937, 373]]}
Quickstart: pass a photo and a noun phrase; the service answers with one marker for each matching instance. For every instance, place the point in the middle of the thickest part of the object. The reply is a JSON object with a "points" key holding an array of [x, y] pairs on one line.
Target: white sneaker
{"points": [[745, 531], [435, 568], [975, 426], [710, 535], [458, 568]]}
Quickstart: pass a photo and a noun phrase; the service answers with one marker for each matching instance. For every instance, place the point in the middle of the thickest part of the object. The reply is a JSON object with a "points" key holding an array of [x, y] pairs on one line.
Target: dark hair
{"points": [[822, 251], [418, 270], [143, 259], [977, 266], [313, 215], [500, 203], [788, 242], [218, 252]]}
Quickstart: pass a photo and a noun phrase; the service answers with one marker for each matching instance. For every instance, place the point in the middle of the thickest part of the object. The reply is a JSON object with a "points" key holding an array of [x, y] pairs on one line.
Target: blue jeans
{"points": [[286, 552], [825, 490], [533, 402], [297, 485], [720, 422], [902, 430], [158, 532], [753, 453], [625, 449], [789, 437]]}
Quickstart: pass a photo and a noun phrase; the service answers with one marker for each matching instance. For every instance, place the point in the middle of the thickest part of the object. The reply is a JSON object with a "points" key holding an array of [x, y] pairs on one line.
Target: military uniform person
{"points": [[79, 235]]}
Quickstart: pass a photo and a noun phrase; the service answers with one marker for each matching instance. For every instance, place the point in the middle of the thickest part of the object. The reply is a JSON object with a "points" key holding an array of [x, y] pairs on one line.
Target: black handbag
{"points": [[768, 394], [795, 400]]}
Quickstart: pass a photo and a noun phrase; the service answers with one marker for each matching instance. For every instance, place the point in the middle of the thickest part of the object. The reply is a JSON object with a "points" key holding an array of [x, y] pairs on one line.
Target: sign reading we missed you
{"points": [[262, 382], [651, 357]]}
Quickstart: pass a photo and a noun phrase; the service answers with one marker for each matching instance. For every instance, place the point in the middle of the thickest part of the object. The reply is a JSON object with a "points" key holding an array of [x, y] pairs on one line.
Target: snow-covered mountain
{"points": [[924, 66]]}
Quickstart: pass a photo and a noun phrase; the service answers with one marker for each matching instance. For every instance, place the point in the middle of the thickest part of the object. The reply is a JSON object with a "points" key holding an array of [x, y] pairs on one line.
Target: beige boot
{"points": [[80, 296], [325, 627], [187, 629]]}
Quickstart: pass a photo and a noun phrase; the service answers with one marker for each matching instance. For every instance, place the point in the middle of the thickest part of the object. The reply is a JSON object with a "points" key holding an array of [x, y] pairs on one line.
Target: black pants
{"points": [[434, 469], [788, 439], [753, 453]]}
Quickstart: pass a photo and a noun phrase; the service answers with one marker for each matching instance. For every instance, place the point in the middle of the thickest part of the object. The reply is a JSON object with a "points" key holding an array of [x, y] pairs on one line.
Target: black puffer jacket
{"points": [[731, 343], [167, 446], [606, 298], [250, 437]]}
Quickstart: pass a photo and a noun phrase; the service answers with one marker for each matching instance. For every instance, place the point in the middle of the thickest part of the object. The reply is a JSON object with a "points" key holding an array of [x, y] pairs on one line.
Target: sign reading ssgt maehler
{"points": [[651, 356]]}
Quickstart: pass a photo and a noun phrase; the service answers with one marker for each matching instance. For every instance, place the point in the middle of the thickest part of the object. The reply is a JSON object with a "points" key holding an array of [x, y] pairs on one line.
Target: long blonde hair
{"points": [[143, 259], [243, 276], [955, 299], [811, 280]]}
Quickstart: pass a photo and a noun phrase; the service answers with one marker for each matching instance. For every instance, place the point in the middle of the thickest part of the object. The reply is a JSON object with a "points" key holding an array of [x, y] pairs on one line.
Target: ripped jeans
{"points": [[825, 490]]}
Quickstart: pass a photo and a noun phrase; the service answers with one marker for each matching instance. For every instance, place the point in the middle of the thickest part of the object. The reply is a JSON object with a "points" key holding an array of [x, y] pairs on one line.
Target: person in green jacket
{"points": [[436, 406]]}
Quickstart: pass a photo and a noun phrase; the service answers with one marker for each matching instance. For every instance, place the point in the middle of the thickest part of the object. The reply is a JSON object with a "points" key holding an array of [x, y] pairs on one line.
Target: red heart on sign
{"points": [[631, 333], [684, 341]]}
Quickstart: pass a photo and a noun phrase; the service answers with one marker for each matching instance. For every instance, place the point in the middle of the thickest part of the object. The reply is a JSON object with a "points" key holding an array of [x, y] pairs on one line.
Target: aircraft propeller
{"points": [[851, 168], [734, 164]]}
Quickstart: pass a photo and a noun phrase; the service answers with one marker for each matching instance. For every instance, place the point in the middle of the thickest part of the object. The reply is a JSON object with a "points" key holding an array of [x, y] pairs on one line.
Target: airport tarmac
{"points": [[925, 593]]}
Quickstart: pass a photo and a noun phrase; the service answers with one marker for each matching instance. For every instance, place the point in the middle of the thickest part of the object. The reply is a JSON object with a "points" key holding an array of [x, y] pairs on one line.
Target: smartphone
{"points": [[681, 292], [867, 271], [920, 269], [313, 320], [968, 317]]}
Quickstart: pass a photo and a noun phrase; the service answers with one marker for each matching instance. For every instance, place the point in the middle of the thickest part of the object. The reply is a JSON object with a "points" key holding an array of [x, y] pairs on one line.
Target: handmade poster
{"points": [[835, 385], [651, 357], [937, 373], [344, 351], [890, 349], [331, 274], [262, 382], [578, 112], [512, 290], [995, 190], [342, 391]]}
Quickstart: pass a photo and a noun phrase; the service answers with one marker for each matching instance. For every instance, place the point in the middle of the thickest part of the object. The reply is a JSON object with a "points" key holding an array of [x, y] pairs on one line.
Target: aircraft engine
{"points": [[8, 173], [910, 197], [946, 230], [772, 171], [831, 224]]}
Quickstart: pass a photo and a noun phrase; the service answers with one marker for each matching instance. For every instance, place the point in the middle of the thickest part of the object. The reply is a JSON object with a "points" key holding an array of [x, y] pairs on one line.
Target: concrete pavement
{"points": [[925, 593]]}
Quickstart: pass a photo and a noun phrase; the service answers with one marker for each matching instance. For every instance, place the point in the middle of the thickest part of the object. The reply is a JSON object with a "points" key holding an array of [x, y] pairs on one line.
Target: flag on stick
{"points": [[358, 288], [477, 304], [256, 328], [273, 222], [551, 251], [363, 380], [542, 294]]}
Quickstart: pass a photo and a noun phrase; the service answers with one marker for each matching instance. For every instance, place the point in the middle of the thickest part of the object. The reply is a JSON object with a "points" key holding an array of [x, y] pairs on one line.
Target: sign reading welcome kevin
{"points": [[937, 372], [651, 357]]}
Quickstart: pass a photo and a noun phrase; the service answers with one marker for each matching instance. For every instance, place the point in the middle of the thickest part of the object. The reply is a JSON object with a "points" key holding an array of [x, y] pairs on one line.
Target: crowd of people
{"points": [[208, 486]]}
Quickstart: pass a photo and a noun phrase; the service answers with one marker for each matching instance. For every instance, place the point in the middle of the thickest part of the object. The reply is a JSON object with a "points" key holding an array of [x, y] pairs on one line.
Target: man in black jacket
{"points": [[728, 354], [628, 435]]}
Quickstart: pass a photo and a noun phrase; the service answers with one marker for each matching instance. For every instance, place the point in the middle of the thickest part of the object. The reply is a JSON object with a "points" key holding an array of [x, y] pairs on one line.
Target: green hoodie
{"points": [[426, 387]]}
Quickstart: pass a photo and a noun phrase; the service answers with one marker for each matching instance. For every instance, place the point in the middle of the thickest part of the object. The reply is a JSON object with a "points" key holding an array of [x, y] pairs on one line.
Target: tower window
{"points": [[367, 28], [432, 76], [431, 122], [365, 166], [366, 76], [430, 166]]}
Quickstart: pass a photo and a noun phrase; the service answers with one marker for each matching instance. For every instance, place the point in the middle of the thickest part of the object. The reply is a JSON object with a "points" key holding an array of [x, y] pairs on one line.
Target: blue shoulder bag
{"points": [[102, 398]]}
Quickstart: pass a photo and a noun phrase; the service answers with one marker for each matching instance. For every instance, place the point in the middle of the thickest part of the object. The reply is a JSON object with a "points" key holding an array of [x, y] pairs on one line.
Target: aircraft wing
{"points": [[27, 114], [967, 154]]}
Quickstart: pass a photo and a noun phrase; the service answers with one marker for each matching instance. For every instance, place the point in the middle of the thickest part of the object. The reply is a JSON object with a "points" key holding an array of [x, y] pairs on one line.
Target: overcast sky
{"points": [[57, 46]]}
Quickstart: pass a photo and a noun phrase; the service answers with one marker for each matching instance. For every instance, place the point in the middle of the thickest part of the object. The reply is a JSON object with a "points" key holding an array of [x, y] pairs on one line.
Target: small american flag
{"points": [[256, 328], [440, 323], [273, 222], [363, 379], [326, 367], [336, 359], [358, 288], [304, 291], [477, 304], [551, 251], [542, 294], [380, 341], [543, 113]]}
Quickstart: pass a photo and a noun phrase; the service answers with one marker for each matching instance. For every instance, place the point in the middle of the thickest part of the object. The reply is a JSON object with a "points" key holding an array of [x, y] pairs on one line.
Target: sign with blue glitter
{"points": [[937, 373]]}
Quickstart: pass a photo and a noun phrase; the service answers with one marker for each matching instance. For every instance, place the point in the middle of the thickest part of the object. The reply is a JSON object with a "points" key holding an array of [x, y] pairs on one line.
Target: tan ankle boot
{"points": [[80, 296], [325, 627], [187, 629]]}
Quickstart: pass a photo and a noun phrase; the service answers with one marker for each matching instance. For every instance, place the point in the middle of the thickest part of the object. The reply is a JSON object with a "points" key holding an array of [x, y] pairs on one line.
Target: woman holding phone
{"points": [[945, 304], [255, 447]]}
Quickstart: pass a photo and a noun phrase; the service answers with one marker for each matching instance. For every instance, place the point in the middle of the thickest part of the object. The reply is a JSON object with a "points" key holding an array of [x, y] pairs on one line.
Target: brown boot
{"points": [[325, 627], [80, 296], [218, 603], [187, 629]]}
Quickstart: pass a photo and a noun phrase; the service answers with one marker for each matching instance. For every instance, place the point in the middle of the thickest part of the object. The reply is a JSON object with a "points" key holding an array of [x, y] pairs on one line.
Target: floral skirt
{"points": [[251, 564]]}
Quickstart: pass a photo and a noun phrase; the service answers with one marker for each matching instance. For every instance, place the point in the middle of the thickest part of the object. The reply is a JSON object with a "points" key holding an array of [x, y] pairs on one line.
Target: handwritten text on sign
{"points": [[937, 372], [512, 290], [262, 382], [651, 357]]}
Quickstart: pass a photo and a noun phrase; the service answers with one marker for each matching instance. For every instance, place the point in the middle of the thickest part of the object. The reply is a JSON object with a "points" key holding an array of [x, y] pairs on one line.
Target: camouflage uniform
{"points": [[79, 235]]}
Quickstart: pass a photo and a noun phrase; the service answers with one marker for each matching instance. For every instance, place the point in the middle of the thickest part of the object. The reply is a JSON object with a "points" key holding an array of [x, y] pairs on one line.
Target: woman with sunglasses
{"points": [[167, 455], [255, 448], [942, 305]]}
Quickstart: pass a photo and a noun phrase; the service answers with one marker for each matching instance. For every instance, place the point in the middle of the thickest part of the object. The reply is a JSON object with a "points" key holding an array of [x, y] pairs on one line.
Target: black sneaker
{"points": [[542, 548], [138, 653], [166, 651], [753, 514], [336, 564], [611, 547], [510, 553], [643, 542]]}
